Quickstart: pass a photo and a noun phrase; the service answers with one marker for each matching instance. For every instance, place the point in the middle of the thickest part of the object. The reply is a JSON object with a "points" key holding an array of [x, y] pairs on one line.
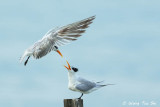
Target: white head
{"points": [[55, 48]]}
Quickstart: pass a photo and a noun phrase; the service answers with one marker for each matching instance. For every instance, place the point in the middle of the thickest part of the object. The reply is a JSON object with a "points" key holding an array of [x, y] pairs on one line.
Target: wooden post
{"points": [[73, 102]]}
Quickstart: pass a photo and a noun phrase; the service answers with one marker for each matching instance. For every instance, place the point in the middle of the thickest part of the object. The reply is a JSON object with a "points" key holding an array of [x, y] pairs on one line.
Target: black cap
{"points": [[56, 47], [74, 69]]}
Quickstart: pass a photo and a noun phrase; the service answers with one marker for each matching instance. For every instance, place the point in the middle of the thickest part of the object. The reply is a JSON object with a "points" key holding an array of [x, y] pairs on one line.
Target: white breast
{"points": [[72, 82]]}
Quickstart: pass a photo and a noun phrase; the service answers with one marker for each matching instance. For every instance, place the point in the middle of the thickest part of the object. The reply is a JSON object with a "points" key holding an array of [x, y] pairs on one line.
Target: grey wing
{"points": [[71, 32], [85, 85]]}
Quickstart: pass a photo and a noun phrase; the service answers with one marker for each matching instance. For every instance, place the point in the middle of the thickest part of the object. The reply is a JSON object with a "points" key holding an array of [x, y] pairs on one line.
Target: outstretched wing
{"points": [[60, 36], [69, 32]]}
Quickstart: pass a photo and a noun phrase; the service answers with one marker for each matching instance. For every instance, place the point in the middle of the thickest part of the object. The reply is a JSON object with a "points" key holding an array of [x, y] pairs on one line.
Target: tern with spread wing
{"points": [[80, 84], [55, 38]]}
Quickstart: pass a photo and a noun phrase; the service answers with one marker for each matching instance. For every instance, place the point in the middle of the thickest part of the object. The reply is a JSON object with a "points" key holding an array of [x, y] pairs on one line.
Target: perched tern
{"points": [[55, 38], [81, 85]]}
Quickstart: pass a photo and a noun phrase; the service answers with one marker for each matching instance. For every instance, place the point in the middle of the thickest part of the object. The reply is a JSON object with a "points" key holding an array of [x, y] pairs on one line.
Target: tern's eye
{"points": [[56, 47]]}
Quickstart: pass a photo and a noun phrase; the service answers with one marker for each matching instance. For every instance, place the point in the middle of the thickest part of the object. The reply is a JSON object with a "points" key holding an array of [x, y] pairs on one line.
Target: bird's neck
{"points": [[71, 77]]}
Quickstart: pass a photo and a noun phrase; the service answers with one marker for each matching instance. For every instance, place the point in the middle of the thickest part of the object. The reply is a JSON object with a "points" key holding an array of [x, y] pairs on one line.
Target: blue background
{"points": [[122, 47]]}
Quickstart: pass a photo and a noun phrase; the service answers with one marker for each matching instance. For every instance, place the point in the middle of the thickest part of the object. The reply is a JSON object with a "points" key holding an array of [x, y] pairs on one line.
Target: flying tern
{"points": [[80, 84], [55, 38]]}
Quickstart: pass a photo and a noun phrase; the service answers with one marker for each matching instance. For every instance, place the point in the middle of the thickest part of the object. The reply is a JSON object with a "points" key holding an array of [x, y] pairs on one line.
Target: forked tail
{"points": [[106, 85]]}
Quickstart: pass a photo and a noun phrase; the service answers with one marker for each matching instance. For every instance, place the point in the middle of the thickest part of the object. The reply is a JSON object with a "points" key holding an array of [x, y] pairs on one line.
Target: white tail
{"points": [[107, 84], [22, 58], [26, 53]]}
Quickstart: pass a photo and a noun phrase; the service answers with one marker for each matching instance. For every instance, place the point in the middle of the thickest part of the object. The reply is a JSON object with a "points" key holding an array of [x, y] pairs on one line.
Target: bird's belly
{"points": [[72, 87]]}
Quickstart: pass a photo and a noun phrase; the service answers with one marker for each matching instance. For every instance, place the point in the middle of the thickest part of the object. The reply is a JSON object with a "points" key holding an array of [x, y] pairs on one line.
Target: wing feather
{"points": [[70, 32], [85, 85]]}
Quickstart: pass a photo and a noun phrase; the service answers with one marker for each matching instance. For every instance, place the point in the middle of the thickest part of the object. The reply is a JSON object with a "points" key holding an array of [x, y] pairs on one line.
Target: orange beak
{"points": [[59, 53], [69, 67]]}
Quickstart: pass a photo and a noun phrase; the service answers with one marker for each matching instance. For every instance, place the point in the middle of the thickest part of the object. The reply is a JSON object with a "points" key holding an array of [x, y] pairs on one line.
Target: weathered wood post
{"points": [[73, 102]]}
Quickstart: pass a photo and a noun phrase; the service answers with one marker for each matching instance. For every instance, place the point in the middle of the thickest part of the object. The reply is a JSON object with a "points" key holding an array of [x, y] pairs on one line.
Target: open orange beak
{"points": [[59, 53], [69, 67]]}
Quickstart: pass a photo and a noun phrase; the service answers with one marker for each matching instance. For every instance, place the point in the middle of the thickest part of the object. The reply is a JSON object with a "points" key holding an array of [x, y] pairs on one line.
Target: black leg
{"points": [[26, 61], [80, 96]]}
